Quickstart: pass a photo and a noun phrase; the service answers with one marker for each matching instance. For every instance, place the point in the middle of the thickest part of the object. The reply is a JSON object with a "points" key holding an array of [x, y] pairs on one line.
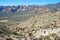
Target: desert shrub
{"points": [[14, 33], [47, 38], [30, 34], [1, 32]]}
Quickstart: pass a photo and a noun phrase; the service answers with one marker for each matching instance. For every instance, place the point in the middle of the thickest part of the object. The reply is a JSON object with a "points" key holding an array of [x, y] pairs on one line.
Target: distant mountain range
{"points": [[31, 8]]}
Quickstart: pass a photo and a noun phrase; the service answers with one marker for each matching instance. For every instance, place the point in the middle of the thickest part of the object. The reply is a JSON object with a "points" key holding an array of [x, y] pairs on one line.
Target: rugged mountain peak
{"points": [[30, 8]]}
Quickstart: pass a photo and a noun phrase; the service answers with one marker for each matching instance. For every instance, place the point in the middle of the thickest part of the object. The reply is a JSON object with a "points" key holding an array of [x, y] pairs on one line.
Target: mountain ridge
{"points": [[30, 8]]}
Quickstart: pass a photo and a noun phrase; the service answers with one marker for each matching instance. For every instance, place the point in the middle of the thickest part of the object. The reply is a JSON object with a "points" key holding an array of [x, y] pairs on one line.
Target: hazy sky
{"points": [[27, 2]]}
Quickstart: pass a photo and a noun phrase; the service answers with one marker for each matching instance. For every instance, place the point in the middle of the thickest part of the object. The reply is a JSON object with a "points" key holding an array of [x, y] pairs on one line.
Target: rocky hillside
{"points": [[43, 25], [43, 20]]}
